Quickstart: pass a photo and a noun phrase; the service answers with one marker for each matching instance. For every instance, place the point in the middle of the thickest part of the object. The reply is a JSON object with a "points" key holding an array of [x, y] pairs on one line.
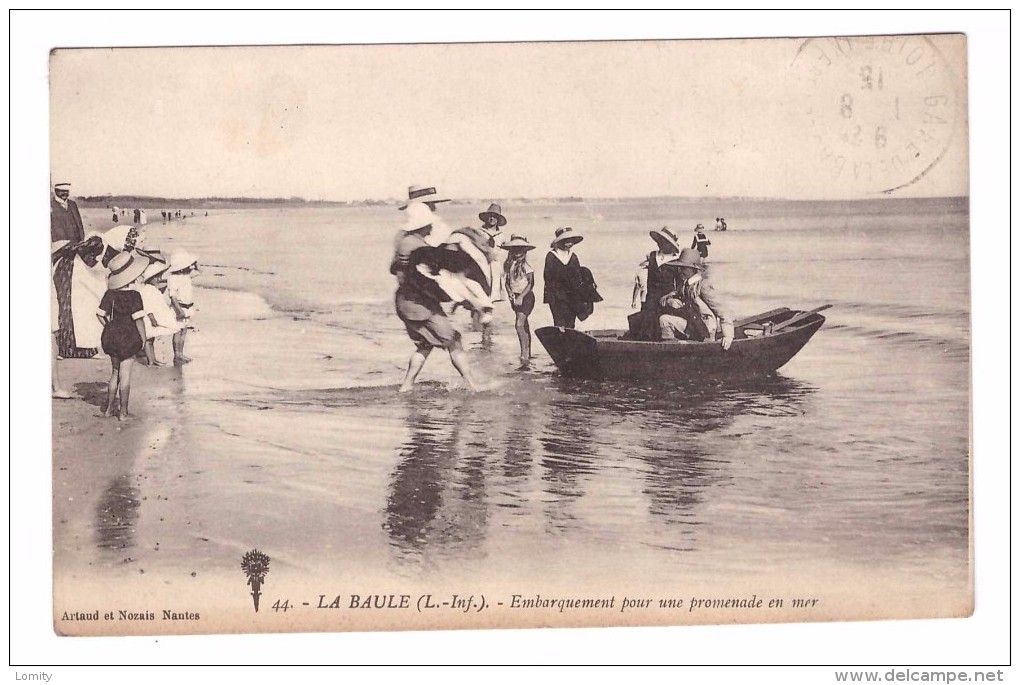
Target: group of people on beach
{"points": [[112, 292], [138, 215], [439, 268]]}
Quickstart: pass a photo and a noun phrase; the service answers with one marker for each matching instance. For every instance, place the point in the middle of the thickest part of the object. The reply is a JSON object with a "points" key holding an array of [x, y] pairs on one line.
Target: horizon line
{"points": [[569, 198]]}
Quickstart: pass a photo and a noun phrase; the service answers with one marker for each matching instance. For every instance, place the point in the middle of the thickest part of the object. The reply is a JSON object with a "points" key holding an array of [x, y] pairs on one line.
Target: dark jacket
{"points": [[586, 294], [570, 284], [662, 280], [65, 224], [560, 278]]}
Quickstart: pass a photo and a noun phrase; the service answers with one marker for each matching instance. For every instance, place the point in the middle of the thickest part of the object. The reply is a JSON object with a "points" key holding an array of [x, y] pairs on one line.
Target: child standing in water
{"points": [[121, 314], [160, 319], [519, 278], [178, 288]]}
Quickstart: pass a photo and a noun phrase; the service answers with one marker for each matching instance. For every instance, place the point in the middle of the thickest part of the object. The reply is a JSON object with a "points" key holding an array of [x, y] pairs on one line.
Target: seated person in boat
{"points": [[693, 311], [660, 279]]}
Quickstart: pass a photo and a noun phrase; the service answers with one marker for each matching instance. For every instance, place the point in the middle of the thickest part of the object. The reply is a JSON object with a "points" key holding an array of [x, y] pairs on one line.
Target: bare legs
{"points": [[460, 362], [112, 387], [524, 336], [457, 356], [179, 336], [414, 367], [120, 383], [480, 322], [125, 388]]}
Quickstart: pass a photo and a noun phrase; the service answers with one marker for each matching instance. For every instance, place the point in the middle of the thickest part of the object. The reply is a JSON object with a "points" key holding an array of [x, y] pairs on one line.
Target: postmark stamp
{"points": [[881, 111]]}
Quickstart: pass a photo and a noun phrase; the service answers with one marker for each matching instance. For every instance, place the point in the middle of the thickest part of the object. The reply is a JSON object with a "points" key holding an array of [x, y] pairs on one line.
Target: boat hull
{"points": [[607, 355]]}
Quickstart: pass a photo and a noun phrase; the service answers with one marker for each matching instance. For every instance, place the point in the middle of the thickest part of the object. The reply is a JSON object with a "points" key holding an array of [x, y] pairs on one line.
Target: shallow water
{"points": [[855, 453]]}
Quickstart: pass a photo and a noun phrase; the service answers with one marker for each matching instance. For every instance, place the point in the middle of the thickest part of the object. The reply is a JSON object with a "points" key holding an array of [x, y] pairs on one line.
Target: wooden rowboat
{"points": [[761, 344]]}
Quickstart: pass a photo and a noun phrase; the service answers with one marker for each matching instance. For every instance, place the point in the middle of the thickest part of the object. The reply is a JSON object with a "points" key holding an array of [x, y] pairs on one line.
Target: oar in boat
{"points": [[797, 317], [764, 316]]}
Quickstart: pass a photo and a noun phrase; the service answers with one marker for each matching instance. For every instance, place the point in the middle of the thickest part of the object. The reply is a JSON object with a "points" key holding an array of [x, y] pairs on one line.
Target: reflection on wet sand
{"points": [[117, 515], [548, 453], [686, 467], [567, 462], [141, 476], [437, 495]]}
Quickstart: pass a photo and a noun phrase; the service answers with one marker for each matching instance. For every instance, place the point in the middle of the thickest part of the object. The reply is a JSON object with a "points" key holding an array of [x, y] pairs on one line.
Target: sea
{"points": [[848, 468]]}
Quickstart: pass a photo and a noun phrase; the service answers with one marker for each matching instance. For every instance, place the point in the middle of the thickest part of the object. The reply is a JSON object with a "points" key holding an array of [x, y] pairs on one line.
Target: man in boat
{"points": [[693, 311]]}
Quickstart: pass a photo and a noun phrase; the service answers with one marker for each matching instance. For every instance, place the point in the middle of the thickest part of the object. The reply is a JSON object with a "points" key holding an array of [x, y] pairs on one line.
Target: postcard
{"points": [[492, 335]]}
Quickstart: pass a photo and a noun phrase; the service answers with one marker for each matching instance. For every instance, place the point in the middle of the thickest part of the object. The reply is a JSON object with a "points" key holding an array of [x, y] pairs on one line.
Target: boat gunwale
{"points": [[610, 337]]}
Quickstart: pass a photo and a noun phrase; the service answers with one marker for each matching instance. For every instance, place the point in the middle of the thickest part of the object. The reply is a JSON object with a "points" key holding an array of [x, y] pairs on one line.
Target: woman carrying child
{"points": [[121, 313], [519, 278]]}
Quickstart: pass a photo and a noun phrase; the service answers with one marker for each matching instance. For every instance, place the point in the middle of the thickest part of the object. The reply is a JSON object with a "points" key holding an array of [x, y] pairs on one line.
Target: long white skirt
{"points": [[88, 285]]}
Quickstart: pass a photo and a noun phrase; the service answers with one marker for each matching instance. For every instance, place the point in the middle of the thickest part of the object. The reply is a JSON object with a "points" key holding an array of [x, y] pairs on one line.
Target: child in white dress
{"points": [[180, 292], [160, 319]]}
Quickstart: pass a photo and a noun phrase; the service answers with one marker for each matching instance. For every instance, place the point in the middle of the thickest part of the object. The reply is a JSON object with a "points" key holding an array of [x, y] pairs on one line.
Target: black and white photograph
{"points": [[440, 335]]}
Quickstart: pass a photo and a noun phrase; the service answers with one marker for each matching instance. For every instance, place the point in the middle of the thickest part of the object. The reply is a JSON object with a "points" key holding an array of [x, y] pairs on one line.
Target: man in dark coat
{"points": [[65, 220]]}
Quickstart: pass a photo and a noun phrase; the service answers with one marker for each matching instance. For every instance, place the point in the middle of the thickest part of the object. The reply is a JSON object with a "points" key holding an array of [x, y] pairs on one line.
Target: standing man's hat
{"points": [[664, 235], [566, 234], [689, 257], [699, 227], [496, 211], [422, 194]]}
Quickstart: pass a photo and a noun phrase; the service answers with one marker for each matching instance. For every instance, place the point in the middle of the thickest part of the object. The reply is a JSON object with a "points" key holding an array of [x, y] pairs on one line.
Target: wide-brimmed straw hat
{"points": [[566, 234], [689, 257], [418, 216], [181, 260], [699, 227], [154, 269], [153, 255], [517, 242], [125, 268], [664, 235], [422, 194], [496, 211]]}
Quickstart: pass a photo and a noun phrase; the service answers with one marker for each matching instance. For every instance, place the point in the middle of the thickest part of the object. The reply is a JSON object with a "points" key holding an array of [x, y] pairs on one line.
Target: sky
{"points": [[501, 120]]}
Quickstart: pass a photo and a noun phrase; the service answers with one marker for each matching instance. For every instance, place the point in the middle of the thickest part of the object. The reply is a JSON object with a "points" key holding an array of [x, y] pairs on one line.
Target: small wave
{"points": [[914, 338]]}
